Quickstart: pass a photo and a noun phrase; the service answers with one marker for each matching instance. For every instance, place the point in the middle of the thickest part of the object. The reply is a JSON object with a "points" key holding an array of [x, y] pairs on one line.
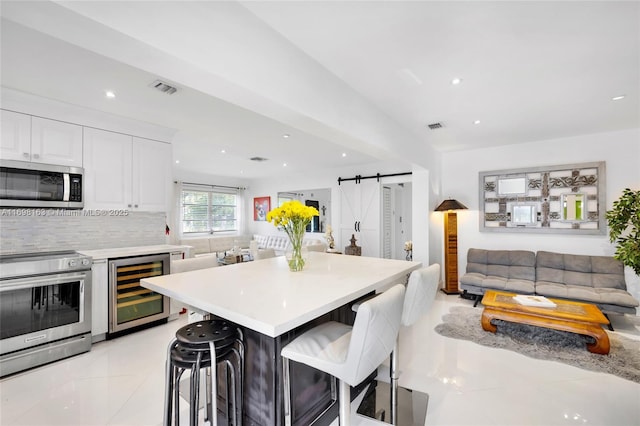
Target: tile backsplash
{"points": [[38, 230]]}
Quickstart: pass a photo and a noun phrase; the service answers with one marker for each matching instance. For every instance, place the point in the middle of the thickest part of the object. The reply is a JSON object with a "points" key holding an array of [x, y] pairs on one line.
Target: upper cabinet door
{"points": [[151, 174], [107, 174], [15, 140], [56, 142]]}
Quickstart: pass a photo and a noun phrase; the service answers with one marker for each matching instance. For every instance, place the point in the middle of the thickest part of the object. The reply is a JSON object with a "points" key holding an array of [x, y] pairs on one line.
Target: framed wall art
{"points": [[261, 206], [566, 199]]}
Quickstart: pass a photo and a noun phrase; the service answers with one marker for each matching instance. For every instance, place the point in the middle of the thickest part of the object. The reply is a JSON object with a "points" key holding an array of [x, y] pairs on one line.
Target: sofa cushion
{"points": [[205, 246], [261, 240], [599, 296], [580, 270], [511, 264], [200, 245], [507, 270], [473, 280], [278, 242], [222, 244]]}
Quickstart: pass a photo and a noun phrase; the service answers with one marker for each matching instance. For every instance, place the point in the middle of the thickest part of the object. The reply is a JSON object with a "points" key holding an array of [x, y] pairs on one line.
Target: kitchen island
{"points": [[272, 306]]}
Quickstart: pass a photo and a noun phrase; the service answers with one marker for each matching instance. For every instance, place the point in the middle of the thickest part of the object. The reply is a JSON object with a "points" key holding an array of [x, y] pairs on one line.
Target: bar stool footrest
{"points": [[412, 404]]}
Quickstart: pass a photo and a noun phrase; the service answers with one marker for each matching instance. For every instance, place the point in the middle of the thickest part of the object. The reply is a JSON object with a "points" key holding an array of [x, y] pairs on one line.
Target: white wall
{"points": [[421, 193], [620, 150]]}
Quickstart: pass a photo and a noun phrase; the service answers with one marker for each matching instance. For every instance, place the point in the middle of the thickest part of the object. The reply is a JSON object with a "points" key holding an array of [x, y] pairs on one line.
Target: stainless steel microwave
{"points": [[35, 185]]}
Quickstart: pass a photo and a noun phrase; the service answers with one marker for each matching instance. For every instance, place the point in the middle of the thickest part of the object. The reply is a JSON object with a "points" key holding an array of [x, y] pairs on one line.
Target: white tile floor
{"points": [[120, 382]]}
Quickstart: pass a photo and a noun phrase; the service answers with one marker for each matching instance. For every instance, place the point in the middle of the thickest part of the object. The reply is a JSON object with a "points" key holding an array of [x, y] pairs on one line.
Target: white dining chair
{"points": [[349, 353]]}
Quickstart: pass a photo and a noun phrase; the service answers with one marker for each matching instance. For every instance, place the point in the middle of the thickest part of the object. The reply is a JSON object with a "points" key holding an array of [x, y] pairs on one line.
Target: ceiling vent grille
{"points": [[435, 126], [164, 87], [259, 159]]}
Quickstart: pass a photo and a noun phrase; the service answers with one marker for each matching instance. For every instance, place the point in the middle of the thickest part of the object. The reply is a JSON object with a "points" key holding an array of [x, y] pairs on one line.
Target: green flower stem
{"points": [[295, 230]]}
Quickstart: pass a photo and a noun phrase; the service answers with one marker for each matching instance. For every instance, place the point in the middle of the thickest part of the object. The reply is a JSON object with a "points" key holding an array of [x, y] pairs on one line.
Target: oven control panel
{"points": [[30, 264]]}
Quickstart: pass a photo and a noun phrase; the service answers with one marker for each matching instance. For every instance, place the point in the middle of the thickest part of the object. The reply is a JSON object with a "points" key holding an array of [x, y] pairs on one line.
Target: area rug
{"points": [[623, 359]]}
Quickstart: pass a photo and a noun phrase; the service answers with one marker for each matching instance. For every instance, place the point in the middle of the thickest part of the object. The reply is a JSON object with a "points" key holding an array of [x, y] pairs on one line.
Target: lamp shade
{"points": [[450, 205]]}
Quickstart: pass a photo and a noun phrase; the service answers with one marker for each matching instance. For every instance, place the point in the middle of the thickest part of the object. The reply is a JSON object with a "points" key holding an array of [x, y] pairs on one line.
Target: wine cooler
{"points": [[132, 305]]}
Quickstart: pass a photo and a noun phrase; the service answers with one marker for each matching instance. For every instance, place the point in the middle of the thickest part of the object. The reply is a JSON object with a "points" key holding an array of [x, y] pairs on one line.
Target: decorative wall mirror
{"points": [[573, 207], [523, 214], [512, 185], [556, 199], [318, 198]]}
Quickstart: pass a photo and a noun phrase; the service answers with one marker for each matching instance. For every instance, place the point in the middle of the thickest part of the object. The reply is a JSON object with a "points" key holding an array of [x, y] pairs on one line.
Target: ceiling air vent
{"points": [[434, 126], [258, 159], [164, 87]]}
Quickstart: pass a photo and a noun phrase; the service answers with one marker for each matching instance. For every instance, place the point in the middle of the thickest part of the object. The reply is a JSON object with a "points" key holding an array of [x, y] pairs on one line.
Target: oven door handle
{"points": [[31, 282]]}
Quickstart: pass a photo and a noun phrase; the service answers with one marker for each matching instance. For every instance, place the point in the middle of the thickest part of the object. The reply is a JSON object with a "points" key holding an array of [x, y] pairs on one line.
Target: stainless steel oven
{"points": [[130, 304], [45, 308]]}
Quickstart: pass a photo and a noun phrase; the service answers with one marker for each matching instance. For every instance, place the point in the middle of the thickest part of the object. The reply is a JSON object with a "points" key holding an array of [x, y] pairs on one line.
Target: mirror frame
{"points": [[578, 205], [545, 189]]}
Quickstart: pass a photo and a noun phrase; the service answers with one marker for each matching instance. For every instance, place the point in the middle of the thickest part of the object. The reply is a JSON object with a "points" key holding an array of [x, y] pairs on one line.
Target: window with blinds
{"points": [[208, 211]]}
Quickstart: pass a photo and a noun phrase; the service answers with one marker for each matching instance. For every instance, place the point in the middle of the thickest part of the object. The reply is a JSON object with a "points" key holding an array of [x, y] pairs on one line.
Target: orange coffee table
{"points": [[576, 317]]}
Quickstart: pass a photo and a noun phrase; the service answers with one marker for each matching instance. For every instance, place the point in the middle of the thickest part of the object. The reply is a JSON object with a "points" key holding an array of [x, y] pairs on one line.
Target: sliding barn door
{"points": [[360, 216]]}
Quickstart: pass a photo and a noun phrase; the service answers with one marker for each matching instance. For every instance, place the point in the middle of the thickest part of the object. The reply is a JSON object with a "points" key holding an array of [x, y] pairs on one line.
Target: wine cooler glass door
{"points": [[131, 304]]}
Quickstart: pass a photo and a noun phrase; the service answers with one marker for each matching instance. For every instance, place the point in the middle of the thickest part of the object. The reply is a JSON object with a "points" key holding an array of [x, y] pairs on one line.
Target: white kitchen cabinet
{"points": [[99, 300], [56, 142], [15, 143], [107, 174], [40, 140], [360, 216], [151, 174], [125, 172]]}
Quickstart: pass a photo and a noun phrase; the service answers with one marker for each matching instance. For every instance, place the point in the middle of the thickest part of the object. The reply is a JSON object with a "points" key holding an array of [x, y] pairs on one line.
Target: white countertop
{"points": [[111, 253], [266, 297]]}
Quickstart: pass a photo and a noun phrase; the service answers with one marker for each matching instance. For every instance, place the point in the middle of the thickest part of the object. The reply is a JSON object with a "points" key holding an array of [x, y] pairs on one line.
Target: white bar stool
{"points": [[419, 296], [350, 354]]}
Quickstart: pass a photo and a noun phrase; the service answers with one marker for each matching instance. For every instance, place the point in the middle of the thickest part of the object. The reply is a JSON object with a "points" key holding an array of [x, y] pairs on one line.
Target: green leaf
{"points": [[624, 228]]}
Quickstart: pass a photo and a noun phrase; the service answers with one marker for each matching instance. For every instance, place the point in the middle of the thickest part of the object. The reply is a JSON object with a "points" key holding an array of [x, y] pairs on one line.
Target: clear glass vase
{"points": [[296, 256]]}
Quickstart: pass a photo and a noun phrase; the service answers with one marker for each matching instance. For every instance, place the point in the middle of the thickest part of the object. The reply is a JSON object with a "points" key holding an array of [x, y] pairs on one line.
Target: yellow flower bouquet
{"points": [[293, 217]]}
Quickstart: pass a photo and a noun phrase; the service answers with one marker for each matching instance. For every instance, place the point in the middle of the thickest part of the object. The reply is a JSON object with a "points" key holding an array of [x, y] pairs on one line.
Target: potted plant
{"points": [[624, 228]]}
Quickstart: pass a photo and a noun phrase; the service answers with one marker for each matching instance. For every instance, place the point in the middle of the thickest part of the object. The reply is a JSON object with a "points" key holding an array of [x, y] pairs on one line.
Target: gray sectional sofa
{"points": [[592, 279]]}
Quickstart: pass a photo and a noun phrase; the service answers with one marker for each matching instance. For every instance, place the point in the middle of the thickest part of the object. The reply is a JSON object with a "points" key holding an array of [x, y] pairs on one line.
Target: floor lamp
{"points": [[449, 208]]}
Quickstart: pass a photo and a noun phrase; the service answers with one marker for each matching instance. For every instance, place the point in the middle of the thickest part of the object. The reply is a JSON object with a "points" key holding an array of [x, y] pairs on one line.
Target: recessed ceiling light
{"points": [[456, 81], [177, 161], [476, 122], [286, 135], [109, 94], [344, 154], [617, 98], [222, 151], [284, 164]]}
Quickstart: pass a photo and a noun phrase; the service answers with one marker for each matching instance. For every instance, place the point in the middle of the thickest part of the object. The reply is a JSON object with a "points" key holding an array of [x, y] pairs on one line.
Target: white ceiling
{"points": [[359, 77]]}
